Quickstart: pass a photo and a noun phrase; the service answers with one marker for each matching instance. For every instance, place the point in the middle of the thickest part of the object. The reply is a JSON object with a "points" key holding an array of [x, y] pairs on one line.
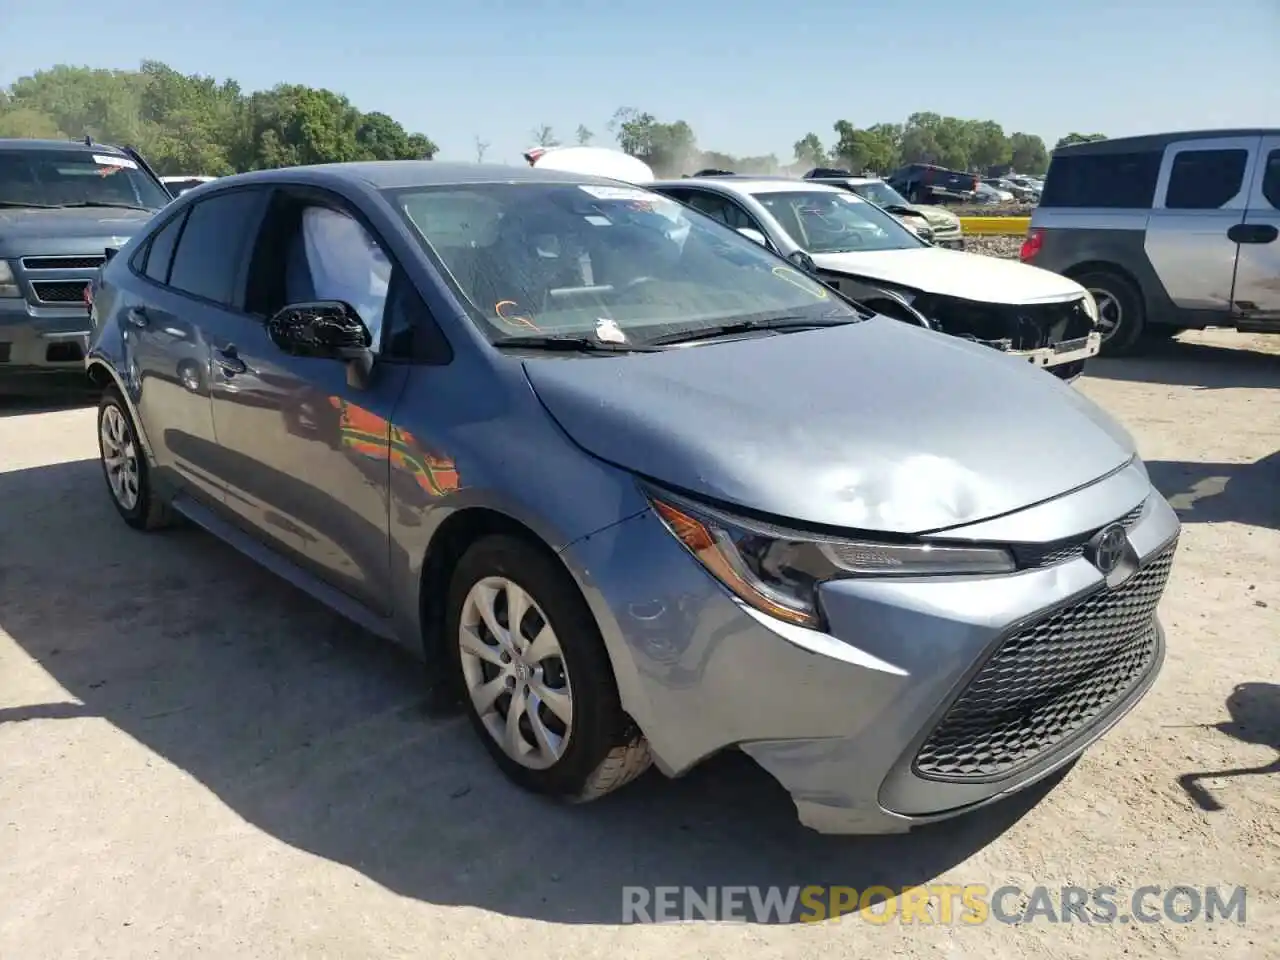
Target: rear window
{"points": [[56, 178], [1205, 179], [1114, 180]]}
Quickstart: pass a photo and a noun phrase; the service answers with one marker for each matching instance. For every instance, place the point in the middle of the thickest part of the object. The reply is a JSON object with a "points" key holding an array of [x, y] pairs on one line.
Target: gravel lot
{"points": [[195, 760]]}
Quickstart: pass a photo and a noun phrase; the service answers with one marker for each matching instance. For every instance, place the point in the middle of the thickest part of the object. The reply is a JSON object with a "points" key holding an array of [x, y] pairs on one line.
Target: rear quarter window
{"points": [[1110, 180]]}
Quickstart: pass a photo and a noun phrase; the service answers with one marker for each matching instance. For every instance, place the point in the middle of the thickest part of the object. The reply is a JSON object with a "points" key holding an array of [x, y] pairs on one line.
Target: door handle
{"points": [[1253, 233], [229, 360], [137, 317]]}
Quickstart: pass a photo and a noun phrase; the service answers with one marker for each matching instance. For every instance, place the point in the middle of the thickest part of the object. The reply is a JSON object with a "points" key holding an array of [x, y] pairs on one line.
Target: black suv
{"points": [[927, 183], [63, 205]]}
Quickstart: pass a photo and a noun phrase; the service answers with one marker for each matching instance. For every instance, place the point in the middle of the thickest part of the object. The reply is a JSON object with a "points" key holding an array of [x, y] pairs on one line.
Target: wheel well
{"points": [[1104, 266], [447, 546], [99, 376]]}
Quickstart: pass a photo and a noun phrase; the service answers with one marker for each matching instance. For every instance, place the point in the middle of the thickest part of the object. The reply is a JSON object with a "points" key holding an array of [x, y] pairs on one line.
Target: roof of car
{"points": [[1158, 141], [392, 174], [23, 143], [747, 185], [851, 181]]}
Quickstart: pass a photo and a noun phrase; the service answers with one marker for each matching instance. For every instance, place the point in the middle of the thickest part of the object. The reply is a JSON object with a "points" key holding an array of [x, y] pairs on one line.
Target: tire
{"points": [[129, 483], [1118, 297], [600, 749]]}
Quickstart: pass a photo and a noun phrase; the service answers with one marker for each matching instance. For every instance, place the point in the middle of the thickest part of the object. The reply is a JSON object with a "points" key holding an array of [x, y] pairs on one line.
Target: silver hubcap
{"points": [[1110, 313], [119, 457], [514, 672]]}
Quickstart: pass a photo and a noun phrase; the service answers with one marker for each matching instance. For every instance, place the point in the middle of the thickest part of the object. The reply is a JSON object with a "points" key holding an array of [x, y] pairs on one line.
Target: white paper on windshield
{"points": [[609, 332], [598, 221], [109, 161], [851, 198], [618, 193]]}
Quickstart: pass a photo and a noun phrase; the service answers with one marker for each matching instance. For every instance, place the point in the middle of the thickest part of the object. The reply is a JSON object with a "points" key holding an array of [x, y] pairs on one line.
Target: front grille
{"points": [[63, 263], [1060, 551], [59, 291], [1049, 681]]}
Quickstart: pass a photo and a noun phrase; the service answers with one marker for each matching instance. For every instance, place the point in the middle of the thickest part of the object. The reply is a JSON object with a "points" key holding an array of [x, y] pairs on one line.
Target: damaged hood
{"points": [[876, 426], [952, 273]]}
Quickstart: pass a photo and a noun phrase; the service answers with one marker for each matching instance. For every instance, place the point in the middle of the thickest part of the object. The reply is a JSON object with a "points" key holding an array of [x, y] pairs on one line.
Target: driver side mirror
{"points": [[325, 330], [755, 235]]}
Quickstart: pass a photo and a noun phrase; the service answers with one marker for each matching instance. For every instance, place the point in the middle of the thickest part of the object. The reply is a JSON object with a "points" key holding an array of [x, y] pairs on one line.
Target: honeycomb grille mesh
{"points": [[1049, 681]]}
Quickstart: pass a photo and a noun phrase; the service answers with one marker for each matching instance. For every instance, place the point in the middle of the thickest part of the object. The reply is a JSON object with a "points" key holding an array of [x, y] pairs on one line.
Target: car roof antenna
{"points": [[88, 140]]}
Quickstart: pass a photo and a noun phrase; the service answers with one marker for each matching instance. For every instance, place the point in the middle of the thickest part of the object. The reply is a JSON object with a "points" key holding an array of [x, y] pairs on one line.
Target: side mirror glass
{"points": [[325, 329], [753, 234]]}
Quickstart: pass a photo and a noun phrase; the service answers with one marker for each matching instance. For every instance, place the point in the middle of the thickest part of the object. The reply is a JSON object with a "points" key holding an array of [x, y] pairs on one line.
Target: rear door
{"points": [[1201, 196], [191, 267], [1257, 289]]}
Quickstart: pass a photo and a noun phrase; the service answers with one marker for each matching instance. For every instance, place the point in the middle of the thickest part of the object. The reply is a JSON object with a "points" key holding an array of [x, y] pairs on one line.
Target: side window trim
{"points": [[311, 195], [1171, 152], [1259, 202]]}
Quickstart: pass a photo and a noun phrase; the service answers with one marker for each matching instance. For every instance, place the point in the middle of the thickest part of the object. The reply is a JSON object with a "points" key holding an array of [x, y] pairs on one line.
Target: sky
{"points": [[750, 76]]}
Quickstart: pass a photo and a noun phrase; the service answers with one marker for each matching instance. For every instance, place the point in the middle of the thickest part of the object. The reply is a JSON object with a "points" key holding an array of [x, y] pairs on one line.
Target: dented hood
{"points": [[953, 273], [876, 426]]}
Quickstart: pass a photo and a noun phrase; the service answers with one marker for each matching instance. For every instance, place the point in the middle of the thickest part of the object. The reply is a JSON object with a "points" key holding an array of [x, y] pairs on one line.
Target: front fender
{"points": [[103, 372]]}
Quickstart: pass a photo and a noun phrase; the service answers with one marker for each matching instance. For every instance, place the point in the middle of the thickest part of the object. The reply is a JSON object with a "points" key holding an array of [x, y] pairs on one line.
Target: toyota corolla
{"points": [[639, 489]]}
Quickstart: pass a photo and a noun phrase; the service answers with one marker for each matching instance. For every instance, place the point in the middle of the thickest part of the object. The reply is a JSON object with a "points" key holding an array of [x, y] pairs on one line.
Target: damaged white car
{"points": [[1040, 317]]}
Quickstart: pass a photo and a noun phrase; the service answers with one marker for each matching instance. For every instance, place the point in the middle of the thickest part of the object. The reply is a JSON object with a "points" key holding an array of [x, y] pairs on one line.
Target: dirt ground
{"points": [[196, 760]]}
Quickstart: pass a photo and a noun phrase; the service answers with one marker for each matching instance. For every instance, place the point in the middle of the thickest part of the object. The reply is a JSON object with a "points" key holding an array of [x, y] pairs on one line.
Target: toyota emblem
{"points": [[1106, 549]]}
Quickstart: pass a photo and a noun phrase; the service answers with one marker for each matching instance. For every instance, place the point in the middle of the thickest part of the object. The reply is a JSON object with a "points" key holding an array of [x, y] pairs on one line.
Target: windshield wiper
{"points": [[748, 326], [105, 203], [572, 343], [23, 203]]}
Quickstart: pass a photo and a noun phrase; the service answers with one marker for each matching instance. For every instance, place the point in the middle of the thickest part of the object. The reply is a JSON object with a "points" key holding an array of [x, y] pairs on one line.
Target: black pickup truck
{"points": [[63, 205], [927, 183]]}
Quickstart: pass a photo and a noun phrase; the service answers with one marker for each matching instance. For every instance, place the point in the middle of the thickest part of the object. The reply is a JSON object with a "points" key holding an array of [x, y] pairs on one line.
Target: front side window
{"points": [[1271, 179], [833, 222], [69, 178], [562, 258], [345, 263]]}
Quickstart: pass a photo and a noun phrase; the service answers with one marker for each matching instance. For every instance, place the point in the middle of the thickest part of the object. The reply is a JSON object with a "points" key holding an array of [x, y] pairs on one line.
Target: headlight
{"points": [[778, 571], [8, 285]]}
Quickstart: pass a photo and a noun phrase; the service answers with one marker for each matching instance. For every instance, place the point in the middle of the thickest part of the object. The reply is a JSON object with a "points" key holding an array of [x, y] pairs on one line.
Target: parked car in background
{"points": [[63, 206], [944, 226], [867, 254], [1170, 232], [640, 488], [180, 185], [928, 183], [1013, 190], [986, 193], [1032, 184]]}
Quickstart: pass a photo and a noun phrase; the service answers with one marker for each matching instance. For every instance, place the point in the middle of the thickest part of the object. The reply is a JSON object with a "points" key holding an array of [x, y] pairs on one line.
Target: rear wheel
{"points": [[124, 466], [536, 680], [1121, 314]]}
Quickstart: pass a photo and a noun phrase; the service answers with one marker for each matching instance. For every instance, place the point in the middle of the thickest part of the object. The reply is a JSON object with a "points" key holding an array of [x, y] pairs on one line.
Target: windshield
{"points": [[618, 263], [880, 193], [54, 178], [833, 222]]}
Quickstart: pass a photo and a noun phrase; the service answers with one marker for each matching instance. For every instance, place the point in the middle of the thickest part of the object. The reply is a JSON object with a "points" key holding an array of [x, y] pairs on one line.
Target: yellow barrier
{"points": [[995, 226]]}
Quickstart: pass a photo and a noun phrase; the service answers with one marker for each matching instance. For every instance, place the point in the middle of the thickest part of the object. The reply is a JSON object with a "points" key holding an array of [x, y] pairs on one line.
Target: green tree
{"points": [[544, 136], [666, 147], [583, 135], [860, 150], [810, 152], [1028, 153]]}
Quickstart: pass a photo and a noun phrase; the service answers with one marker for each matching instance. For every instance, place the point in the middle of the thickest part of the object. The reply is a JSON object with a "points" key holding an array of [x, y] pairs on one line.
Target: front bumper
{"points": [[1064, 352], [841, 720], [40, 340]]}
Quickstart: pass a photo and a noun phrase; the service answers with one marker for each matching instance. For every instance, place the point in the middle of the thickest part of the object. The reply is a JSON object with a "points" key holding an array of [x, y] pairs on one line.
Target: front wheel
{"points": [[535, 676]]}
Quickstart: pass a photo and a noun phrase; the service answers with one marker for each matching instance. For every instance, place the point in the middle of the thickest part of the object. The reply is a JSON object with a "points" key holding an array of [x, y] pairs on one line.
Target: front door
{"points": [[1257, 289], [1201, 196], [312, 449]]}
